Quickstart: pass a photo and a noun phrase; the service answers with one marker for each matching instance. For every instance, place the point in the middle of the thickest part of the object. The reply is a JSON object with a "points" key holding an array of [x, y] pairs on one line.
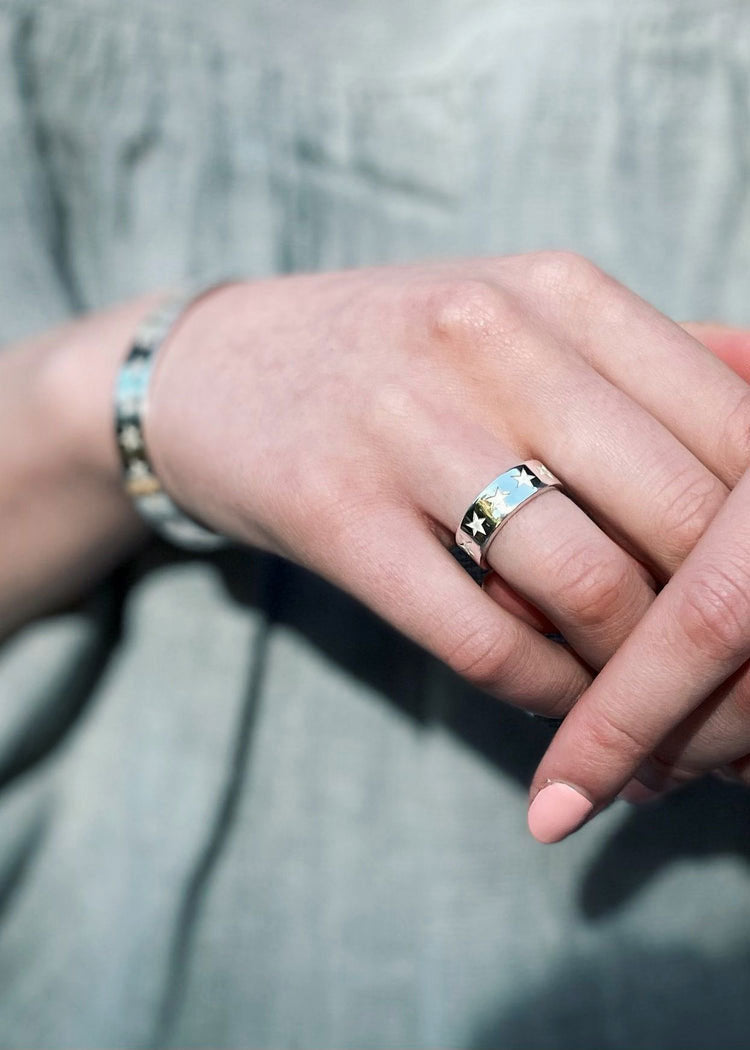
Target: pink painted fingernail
{"points": [[637, 793], [557, 810]]}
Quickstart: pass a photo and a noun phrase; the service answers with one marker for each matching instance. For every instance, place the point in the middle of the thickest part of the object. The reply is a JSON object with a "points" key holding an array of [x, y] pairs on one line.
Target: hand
{"points": [[347, 420], [655, 697]]}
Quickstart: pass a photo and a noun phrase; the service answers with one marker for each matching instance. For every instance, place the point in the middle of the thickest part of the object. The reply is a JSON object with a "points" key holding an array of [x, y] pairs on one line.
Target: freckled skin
{"points": [[346, 421]]}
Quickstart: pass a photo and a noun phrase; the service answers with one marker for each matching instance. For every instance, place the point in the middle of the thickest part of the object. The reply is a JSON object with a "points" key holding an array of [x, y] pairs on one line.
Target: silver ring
{"points": [[497, 502]]}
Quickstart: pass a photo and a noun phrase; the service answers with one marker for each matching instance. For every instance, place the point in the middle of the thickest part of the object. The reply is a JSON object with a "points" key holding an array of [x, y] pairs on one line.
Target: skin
{"points": [[674, 701], [66, 521], [346, 420]]}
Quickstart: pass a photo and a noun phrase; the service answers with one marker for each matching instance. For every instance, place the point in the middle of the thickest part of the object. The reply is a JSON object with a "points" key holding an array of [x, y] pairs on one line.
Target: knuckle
{"points": [[467, 310], [735, 438], [687, 507], [571, 288], [610, 741], [590, 587], [328, 509], [336, 497], [559, 272], [479, 655], [345, 546], [714, 612], [389, 407], [560, 705]]}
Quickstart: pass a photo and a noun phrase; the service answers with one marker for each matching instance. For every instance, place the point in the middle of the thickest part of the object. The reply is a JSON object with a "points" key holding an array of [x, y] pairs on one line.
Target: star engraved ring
{"points": [[497, 502]]}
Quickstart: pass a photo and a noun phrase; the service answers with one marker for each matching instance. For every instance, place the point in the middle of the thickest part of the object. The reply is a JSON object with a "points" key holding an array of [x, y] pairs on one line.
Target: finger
{"points": [[549, 551], [638, 481], [494, 586], [731, 345], [716, 734], [696, 634], [398, 567], [589, 587], [709, 736], [631, 474], [663, 368], [501, 592], [719, 729]]}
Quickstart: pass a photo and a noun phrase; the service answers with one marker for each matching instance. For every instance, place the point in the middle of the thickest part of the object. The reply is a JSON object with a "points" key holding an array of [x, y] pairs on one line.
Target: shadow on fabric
{"points": [[649, 840], [642, 847]]}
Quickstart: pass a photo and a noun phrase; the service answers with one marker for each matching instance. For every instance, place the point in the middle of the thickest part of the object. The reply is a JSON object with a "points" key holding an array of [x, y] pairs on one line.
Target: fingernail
{"points": [[637, 793], [557, 810]]}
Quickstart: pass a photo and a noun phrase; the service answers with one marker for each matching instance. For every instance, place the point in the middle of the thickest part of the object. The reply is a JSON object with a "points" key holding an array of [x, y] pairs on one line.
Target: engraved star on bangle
{"points": [[139, 469], [476, 524], [522, 478], [137, 366], [130, 438], [130, 406]]}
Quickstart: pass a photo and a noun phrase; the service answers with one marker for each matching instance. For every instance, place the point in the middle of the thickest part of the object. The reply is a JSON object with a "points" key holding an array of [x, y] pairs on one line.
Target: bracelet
{"points": [[131, 395]]}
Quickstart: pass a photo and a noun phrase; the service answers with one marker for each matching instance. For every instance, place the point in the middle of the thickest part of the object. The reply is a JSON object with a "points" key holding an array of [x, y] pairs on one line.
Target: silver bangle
{"points": [[131, 396]]}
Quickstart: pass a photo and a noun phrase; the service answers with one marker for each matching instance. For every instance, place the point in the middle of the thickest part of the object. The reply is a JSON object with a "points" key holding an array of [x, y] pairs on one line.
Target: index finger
{"points": [[695, 634]]}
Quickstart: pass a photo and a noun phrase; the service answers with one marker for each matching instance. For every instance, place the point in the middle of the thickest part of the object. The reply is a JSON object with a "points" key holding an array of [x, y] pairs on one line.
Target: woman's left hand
{"points": [[674, 700]]}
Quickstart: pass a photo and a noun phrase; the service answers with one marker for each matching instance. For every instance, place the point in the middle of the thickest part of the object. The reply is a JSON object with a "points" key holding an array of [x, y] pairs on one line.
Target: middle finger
{"points": [[632, 475]]}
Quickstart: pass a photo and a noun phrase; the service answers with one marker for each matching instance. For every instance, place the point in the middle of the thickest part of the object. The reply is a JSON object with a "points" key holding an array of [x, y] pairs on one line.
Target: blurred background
{"points": [[235, 808]]}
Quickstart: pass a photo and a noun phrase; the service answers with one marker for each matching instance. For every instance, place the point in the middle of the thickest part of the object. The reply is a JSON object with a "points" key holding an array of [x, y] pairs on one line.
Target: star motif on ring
{"points": [[476, 524], [522, 478], [496, 502]]}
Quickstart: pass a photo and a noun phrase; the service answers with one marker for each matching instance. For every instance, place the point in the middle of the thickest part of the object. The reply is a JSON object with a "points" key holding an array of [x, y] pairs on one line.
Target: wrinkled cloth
{"points": [[236, 809]]}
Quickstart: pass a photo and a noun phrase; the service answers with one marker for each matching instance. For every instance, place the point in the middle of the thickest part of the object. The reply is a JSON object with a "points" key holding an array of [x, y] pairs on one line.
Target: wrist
{"points": [[180, 427], [76, 383], [132, 403]]}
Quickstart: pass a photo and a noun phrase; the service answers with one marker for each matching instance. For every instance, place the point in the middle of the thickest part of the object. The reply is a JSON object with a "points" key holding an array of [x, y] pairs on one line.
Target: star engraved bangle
{"points": [[131, 395]]}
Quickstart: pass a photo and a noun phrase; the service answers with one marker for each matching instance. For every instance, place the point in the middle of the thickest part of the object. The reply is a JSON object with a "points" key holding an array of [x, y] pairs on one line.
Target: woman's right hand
{"points": [[347, 420]]}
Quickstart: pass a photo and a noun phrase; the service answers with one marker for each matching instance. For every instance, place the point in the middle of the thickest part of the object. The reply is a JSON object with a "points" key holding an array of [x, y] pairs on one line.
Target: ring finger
{"points": [[550, 552]]}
